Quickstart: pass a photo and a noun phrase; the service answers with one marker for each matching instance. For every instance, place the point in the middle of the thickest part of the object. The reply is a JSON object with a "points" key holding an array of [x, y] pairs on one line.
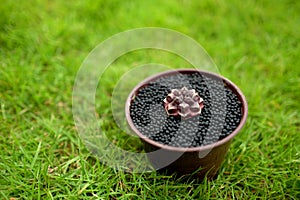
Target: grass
{"points": [[42, 45]]}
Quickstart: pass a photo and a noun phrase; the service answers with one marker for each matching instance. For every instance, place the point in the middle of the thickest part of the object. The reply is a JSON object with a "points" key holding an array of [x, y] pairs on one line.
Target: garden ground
{"points": [[42, 45]]}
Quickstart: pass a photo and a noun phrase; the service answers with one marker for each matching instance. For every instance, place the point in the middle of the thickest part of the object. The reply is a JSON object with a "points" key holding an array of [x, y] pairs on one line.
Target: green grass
{"points": [[42, 45]]}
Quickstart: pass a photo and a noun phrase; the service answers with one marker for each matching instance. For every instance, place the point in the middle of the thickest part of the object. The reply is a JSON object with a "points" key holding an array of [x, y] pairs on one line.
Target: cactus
{"points": [[183, 102]]}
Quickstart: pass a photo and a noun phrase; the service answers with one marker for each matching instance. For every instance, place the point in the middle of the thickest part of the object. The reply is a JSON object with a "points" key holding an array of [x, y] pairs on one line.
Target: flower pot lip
{"points": [[228, 138]]}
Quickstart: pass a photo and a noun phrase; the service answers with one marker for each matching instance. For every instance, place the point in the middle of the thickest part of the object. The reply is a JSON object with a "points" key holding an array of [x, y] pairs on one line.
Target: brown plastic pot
{"points": [[203, 160]]}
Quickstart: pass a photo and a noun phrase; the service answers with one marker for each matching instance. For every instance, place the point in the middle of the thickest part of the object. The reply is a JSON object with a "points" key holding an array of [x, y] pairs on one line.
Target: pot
{"points": [[202, 160]]}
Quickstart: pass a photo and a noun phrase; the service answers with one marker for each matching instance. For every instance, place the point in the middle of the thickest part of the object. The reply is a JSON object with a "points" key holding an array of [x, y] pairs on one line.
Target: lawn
{"points": [[42, 45]]}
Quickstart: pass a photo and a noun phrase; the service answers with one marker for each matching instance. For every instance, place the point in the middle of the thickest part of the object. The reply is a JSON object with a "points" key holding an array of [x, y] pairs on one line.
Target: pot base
{"points": [[198, 163]]}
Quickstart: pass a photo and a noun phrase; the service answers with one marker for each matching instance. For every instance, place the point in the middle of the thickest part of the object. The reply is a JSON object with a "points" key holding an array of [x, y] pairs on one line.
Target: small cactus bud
{"points": [[183, 102]]}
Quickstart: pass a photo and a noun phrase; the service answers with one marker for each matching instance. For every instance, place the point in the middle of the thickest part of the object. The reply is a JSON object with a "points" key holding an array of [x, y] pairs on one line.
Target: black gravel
{"points": [[220, 116]]}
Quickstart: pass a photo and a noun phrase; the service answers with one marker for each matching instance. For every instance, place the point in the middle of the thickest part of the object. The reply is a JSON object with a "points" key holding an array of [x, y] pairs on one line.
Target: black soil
{"points": [[220, 116]]}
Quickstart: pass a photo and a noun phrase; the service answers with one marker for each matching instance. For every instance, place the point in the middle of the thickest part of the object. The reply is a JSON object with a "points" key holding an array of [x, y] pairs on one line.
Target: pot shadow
{"points": [[194, 178]]}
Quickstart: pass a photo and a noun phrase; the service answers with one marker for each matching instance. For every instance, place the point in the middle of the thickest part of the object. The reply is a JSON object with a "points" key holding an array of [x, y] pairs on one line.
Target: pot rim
{"points": [[228, 138]]}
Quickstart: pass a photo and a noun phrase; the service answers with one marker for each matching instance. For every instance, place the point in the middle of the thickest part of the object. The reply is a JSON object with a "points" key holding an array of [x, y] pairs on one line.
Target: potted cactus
{"points": [[188, 117]]}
